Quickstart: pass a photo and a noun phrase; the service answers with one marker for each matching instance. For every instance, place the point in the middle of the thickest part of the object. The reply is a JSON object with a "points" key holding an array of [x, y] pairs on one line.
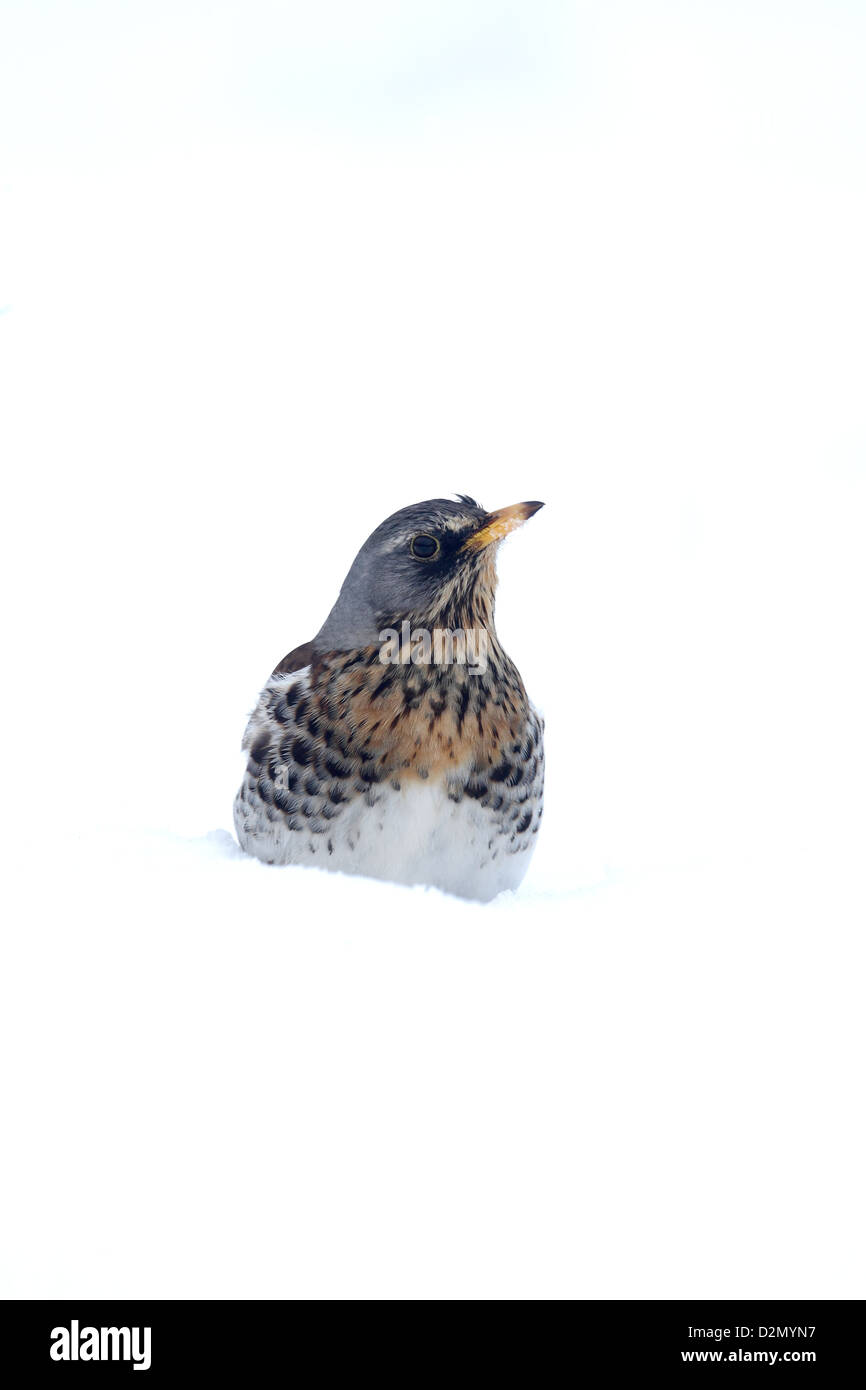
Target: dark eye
{"points": [[424, 547]]}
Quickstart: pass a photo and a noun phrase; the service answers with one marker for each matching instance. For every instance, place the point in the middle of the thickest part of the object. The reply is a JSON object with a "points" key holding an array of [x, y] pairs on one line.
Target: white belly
{"points": [[414, 835], [409, 833]]}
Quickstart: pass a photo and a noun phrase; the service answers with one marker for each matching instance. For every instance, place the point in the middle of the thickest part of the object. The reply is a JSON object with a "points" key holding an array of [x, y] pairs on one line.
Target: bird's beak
{"points": [[497, 525]]}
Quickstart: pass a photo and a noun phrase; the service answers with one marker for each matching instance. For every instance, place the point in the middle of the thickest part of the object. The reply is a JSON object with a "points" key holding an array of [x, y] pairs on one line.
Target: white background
{"points": [[267, 273]]}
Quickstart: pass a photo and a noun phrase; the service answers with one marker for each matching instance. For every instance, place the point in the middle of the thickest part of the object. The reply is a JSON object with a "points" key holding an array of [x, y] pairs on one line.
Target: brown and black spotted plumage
{"points": [[427, 771]]}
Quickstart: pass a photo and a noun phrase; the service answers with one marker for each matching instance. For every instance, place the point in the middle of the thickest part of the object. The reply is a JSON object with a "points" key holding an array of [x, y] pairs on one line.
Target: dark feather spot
{"points": [[260, 747], [384, 684], [351, 661], [337, 767], [302, 751]]}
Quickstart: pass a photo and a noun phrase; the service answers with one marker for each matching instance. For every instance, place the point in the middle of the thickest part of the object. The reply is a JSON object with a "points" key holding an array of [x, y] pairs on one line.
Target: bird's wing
{"points": [[296, 660]]}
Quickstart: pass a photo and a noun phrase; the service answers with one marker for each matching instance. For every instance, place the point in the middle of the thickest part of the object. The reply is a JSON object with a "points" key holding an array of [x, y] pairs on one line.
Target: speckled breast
{"points": [[418, 774]]}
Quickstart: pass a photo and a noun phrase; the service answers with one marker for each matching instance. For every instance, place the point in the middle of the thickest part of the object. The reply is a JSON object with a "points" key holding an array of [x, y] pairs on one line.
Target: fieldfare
{"points": [[400, 742]]}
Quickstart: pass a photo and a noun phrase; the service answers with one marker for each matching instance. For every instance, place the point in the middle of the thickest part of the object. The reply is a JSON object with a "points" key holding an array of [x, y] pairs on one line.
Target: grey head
{"points": [[412, 562]]}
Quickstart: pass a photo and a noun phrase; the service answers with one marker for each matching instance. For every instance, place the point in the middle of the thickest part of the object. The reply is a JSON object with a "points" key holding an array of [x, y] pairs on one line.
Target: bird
{"points": [[400, 743]]}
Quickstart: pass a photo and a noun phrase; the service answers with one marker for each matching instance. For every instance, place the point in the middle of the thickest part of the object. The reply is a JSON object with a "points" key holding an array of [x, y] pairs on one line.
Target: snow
{"points": [[229, 1080], [236, 339]]}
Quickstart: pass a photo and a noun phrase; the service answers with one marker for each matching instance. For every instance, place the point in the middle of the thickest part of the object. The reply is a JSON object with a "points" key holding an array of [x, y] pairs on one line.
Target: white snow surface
{"points": [[230, 1080], [242, 324]]}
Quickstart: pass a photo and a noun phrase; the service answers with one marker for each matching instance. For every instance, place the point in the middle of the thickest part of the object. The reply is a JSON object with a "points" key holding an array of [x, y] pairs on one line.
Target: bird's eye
{"points": [[424, 547]]}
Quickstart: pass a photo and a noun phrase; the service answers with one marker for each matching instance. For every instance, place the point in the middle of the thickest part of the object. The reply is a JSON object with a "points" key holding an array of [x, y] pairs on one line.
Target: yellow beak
{"points": [[497, 525]]}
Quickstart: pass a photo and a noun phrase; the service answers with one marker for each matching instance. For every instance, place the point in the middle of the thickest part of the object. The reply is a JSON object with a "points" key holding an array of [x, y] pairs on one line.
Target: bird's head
{"points": [[432, 563]]}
